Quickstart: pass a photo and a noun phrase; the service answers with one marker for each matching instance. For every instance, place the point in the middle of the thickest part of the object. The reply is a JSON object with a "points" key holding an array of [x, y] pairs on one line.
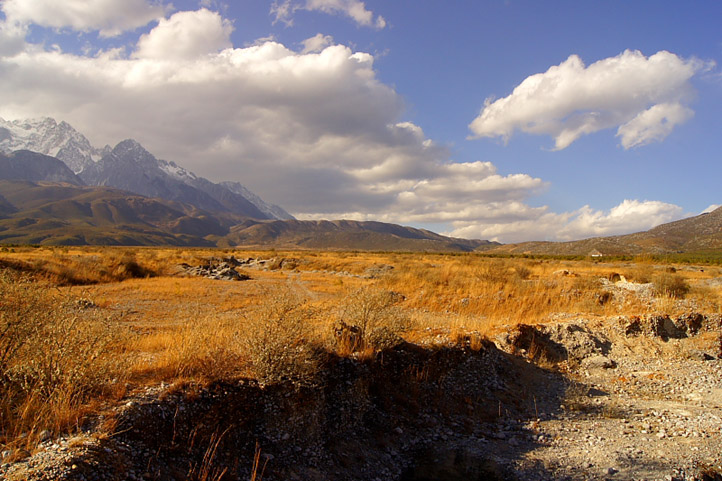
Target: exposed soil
{"points": [[622, 398]]}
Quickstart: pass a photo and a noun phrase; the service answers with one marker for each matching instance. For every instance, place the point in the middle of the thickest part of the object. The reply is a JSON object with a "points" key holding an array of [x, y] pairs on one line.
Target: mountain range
{"points": [[129, 166], [70, 214], [56, 188]]}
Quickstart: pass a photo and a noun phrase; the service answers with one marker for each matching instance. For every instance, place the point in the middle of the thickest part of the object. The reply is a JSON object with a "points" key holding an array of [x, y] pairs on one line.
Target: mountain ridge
{"points": [[697, 233], [65, 214], [129, 166]]}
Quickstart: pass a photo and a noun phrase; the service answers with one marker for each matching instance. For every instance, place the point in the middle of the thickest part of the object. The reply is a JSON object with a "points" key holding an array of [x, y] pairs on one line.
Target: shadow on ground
{"points": [[410, 414]]}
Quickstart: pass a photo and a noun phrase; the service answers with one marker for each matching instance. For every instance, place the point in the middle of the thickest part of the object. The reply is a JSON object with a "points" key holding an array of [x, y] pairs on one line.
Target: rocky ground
{"points": [[644, 402], [604, 399]]}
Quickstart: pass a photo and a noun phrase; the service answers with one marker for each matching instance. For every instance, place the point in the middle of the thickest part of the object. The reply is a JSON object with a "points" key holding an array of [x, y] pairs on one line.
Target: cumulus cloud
{"points": [[353, 9], [186, 35], [314, 131], [109, 17], [653, 124], [540, 224], [645, 98], [316, 43]]}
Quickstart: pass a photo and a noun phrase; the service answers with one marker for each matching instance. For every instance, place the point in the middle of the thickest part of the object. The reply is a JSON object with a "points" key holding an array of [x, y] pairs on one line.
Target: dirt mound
{"points": [[382, 418], [555, 342], [626, 396]]}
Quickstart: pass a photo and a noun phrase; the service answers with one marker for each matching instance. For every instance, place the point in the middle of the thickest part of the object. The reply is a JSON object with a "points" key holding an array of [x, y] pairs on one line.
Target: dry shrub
{"points": [[90, 266], [203, 347], [522, 272], [126, 266], [55, 356], [498, 271], [372, 321], [640, 273], [279, 341], [670, 285]]}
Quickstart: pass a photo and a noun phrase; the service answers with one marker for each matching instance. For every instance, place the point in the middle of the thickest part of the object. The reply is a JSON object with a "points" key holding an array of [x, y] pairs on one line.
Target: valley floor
{"points": [[602, 394]]}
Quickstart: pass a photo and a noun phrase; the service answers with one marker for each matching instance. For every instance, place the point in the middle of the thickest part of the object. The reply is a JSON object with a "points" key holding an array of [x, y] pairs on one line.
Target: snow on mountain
{"points": [[272, 210], [176, 171], [48, 137], [129, 166]]}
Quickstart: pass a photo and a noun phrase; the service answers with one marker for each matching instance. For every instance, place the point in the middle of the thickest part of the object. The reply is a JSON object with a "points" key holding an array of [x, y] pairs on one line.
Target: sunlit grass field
{"points": [[83, 327]]}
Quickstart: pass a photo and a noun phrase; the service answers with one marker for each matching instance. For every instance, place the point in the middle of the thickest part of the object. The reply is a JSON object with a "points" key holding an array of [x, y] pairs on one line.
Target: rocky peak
{"points": [[47, 136], [130, 150]]}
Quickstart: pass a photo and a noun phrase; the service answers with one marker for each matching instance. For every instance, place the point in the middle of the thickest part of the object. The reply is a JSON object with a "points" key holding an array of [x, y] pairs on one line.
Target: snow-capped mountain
{"points": [[129, 166], [48, 137]]}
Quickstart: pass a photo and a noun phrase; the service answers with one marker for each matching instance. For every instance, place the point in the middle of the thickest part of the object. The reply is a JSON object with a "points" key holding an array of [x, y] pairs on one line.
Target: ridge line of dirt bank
{"points": [[430, 413]]}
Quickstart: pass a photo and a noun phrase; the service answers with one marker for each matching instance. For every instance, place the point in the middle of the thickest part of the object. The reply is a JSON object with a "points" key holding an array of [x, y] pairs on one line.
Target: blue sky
{"points": [[505, 120]]}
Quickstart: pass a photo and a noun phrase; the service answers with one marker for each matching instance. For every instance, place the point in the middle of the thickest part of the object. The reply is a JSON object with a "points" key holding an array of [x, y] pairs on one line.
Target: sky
{"points": [[504, 120]]}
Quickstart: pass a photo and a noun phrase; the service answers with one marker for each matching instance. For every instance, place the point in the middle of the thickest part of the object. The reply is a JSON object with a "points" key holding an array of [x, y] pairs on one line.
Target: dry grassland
{"points": [[80, 328]]}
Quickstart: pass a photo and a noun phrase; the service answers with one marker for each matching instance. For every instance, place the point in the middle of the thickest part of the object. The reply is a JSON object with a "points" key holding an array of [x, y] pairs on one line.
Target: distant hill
{"points": [[66, 214], [699, 233], [346, 234], [26, 165]]}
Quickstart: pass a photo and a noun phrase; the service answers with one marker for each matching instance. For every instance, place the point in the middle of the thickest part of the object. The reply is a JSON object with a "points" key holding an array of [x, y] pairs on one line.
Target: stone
{"points": [[598, 362], [662, 326]]}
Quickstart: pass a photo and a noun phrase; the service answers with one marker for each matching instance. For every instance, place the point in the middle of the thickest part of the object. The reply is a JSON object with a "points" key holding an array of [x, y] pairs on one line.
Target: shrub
{"points": [[54, 356], [279, 341], [641, 273], [670, 285], [370, 319], [495, 271]]}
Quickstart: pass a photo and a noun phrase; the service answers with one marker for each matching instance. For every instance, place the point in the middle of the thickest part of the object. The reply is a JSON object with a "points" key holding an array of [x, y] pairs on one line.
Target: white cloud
{"points": [[353, 9], [12, 38], [315, 132], [644, 97], [711, 208], [653, 124], [540, 224], [186, 35], [316, 43], [109, 17]]}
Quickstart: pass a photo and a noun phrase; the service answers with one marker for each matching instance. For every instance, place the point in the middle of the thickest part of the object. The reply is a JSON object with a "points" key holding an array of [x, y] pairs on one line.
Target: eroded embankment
{"points": [[621, 399], [410, 413]]}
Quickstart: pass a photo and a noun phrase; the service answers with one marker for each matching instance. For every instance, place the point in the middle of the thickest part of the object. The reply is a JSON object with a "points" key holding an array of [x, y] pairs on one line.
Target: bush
{"points": [[370, 319], [54, 356], [495, 271], [279, 342], [670, 285]]}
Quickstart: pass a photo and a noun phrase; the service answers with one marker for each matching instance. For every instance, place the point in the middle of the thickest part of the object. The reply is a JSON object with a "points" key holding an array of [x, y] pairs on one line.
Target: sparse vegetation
{"points": [[279, 342], [55, 357], [371, 321], [670, 285], [79, 323]]}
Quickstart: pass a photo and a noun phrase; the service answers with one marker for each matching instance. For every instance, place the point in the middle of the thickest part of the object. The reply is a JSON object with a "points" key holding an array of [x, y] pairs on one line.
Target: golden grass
{"points": [[176, 327]]}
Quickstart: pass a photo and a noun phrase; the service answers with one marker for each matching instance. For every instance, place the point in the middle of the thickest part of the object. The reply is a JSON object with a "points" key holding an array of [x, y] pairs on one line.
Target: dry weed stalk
{"points": [[55, 356], [207, 470], [255, 475]]}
